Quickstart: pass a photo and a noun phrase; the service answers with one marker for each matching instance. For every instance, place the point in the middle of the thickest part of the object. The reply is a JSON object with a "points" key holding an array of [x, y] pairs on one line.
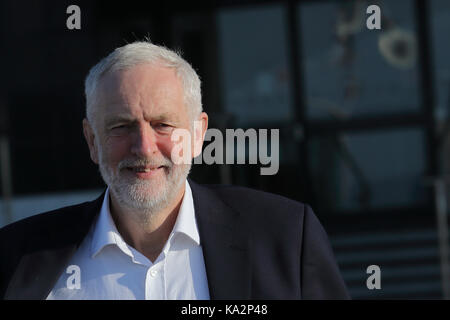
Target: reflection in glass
{"points": [[353, 71]]}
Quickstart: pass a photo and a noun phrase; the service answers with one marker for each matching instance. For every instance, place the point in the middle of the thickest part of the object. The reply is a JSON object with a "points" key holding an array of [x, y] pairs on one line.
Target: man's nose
{"points": [[144, 141]]}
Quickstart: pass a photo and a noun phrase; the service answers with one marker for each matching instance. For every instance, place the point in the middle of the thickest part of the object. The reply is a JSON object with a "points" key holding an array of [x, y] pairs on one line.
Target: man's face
{"points": [[137, 111]]}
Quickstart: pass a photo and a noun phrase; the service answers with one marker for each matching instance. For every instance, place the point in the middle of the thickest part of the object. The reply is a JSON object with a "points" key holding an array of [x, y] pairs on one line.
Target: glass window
{"points": [[440, 27], [368, 170], [253, 57], [350, 70]]}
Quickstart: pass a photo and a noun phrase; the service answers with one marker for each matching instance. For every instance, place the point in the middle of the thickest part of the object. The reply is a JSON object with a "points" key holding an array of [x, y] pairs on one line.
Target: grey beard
{"points": [[129, 193]]}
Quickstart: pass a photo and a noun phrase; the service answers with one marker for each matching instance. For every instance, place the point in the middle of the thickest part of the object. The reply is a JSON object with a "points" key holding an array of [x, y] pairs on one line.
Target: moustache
{"points": [[141, 162]]}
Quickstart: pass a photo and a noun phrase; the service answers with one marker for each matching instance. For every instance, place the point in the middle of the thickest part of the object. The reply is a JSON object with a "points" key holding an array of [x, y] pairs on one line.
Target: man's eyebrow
{"points": [[164, 117], [127, 118], [119, 118]]}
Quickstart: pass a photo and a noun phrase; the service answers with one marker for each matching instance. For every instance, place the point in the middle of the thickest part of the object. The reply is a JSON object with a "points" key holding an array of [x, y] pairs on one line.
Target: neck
{"points": [[144, 231]]}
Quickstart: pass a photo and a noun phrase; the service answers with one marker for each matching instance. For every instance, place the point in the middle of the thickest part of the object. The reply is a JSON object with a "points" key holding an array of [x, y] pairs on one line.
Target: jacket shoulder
{"points": [[44, 231], [248, 199], [40, 227]]}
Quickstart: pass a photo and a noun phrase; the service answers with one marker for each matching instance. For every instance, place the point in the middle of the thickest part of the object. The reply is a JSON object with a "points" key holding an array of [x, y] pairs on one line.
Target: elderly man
{"points": [[154, 234]]}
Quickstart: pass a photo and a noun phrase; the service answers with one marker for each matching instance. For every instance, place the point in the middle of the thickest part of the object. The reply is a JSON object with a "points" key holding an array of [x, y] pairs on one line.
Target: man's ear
{"points": [[90, 139], [200, 127]]}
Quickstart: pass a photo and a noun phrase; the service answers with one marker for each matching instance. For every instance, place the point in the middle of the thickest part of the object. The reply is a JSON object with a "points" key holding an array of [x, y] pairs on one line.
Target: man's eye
{"points": [[120, 126], [163, 126]]}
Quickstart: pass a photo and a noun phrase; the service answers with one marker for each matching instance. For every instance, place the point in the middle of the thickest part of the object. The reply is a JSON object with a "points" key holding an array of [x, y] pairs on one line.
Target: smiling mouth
{"points": [[144, 169]]}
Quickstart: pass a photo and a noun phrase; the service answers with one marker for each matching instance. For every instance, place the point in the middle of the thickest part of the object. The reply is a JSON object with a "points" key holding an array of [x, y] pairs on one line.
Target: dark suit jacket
{"points": [[256, 245]]}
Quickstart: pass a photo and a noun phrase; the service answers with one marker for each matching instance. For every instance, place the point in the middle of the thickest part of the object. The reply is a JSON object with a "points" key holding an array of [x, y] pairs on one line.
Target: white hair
{"points": [[141, 52]]}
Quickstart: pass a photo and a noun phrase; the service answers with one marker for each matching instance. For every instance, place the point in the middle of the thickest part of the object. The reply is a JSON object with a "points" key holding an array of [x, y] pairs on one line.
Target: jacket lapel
{"points": [[225, 244], [45, 258]]}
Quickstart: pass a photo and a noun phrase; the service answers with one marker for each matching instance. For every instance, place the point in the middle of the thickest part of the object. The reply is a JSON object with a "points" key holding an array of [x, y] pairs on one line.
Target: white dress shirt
{"points": [[106, 267]]}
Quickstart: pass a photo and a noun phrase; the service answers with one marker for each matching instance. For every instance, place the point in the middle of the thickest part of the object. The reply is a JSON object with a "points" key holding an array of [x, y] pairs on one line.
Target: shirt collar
{"points": [[186, 222], [106, 233]]}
